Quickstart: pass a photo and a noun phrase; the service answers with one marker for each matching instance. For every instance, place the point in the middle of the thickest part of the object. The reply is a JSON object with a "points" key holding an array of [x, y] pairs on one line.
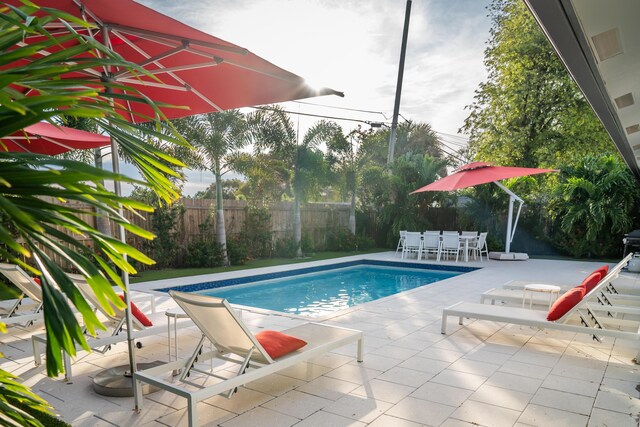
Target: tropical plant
{"points": [[595, 204], [343, 156], [34, 190], [272, 130], [219, 137]]}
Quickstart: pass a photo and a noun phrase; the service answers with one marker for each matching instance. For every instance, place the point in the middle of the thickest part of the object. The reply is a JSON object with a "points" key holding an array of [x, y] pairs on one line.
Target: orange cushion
{"points": [[565, 303], [602, 270], [277, 344], [138, 314], [591, 281]]}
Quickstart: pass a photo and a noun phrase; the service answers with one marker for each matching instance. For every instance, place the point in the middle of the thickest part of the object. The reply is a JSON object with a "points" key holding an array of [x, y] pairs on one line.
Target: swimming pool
{"points": [[318, 291]]}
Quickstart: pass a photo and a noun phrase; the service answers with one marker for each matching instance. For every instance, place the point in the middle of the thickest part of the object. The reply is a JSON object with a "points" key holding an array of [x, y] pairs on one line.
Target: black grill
{"points": [[631, 240]]}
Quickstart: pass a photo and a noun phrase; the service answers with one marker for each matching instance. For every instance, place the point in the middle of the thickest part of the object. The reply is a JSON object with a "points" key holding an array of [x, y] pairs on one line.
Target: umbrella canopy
{"points": [[192, 68], [45, 138], [477, 173]]}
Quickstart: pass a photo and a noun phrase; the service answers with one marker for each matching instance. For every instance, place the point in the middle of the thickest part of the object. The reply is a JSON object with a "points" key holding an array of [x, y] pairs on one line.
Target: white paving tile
{"points": [[563, 400], [440, 393], [506, 398], [383, 390], [514, 382], [603, 418], [359, 408], [388, 421], [327, 419], [259, 417], [328, 388], [405, 376], [571, 385], [297, 404], [474, 367], [536, 415], [459, 379], [479, 413], [421, 411]]}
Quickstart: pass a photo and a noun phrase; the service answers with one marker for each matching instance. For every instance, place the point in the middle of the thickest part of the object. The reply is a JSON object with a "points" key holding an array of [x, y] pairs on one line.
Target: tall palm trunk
{"points": [[221, 233], [297, 226], [352, 213], [351, 181], [102, 221]]}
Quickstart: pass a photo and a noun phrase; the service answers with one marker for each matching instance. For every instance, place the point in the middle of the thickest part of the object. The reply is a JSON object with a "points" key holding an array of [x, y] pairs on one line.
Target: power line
{"points": [[343, 108]]}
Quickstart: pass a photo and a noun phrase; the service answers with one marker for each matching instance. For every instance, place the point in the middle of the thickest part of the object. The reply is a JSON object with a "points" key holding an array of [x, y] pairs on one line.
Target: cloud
{"points": [[354, 46]]}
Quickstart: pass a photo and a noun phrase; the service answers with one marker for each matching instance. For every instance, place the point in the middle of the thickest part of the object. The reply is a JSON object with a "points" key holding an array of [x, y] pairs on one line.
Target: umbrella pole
{"points": [[511, 225], [125, 275]]}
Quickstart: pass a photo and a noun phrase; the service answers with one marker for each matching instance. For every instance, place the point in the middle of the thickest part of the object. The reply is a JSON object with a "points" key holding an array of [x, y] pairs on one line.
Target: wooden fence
{"points": [[318, 219]]}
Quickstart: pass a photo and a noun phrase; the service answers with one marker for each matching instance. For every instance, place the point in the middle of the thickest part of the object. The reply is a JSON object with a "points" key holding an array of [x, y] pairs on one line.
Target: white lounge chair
{"points": [[514, 292], [115, 323], [28, 288], [586, 316], [233, 342]]}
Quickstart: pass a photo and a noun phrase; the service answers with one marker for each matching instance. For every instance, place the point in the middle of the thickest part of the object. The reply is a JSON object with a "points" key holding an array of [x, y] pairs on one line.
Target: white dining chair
{"points": [[431, 244], [412, 244], [451, 244], [401, 240]]}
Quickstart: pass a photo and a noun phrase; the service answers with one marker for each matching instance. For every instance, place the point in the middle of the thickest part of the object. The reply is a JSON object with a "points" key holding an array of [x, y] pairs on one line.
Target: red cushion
{"points": [[565, 303], [591, 281], [138, 314], [277, 344], [36, 280], [602, 270]]}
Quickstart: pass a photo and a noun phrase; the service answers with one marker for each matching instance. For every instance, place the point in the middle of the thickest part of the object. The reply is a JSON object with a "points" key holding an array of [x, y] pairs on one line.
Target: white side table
{"points": [[175, 314], [552, 290]]}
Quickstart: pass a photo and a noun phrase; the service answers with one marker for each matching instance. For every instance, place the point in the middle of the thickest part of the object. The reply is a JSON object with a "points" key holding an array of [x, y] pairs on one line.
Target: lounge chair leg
{"points": [[37, 355], [460, 321], [193, 413], [68, 375], [443, 328], [360, 350]]}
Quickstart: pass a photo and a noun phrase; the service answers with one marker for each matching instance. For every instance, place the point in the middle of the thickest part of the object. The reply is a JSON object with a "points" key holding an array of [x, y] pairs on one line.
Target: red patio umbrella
{"points": [[477, 173], [195, 69], [45, 138]]}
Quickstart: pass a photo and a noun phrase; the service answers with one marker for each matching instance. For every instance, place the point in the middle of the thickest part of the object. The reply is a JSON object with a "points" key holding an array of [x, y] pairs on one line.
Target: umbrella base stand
{"points": [[116, 382], [508, 256]]}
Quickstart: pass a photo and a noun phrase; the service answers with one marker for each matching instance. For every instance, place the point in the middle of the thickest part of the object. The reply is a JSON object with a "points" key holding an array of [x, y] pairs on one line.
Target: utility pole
{"points": [[396, 106]]}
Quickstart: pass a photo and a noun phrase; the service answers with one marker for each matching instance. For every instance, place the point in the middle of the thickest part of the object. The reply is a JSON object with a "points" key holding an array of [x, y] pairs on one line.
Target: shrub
{"points": [[237, 250], [306, 244], [342, 240], [286, 247], [256, 235], [204, 253]]}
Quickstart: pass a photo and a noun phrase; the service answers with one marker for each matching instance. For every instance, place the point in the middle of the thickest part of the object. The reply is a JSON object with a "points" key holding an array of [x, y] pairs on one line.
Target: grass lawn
{"points": [[149, 275]]}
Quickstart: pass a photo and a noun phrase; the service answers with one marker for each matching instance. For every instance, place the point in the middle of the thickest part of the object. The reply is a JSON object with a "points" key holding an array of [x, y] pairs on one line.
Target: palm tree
{"points": [[32, 225], [219, 137], [272, 130], [343, 156]]}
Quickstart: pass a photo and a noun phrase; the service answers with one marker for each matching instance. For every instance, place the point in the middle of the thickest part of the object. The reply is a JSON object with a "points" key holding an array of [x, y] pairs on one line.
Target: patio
{"points": [[483, 374]]}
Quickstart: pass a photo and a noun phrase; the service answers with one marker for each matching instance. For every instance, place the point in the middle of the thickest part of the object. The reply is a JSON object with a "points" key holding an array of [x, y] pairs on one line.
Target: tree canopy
{"points": [[529, 112]]}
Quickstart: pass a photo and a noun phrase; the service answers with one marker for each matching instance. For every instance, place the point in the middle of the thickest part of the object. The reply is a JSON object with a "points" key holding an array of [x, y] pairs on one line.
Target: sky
{"points": [[354, 46]]}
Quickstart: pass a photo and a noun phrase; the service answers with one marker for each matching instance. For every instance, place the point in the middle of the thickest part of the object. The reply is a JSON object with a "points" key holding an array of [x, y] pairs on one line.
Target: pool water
{"points": [[321, 293]]}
